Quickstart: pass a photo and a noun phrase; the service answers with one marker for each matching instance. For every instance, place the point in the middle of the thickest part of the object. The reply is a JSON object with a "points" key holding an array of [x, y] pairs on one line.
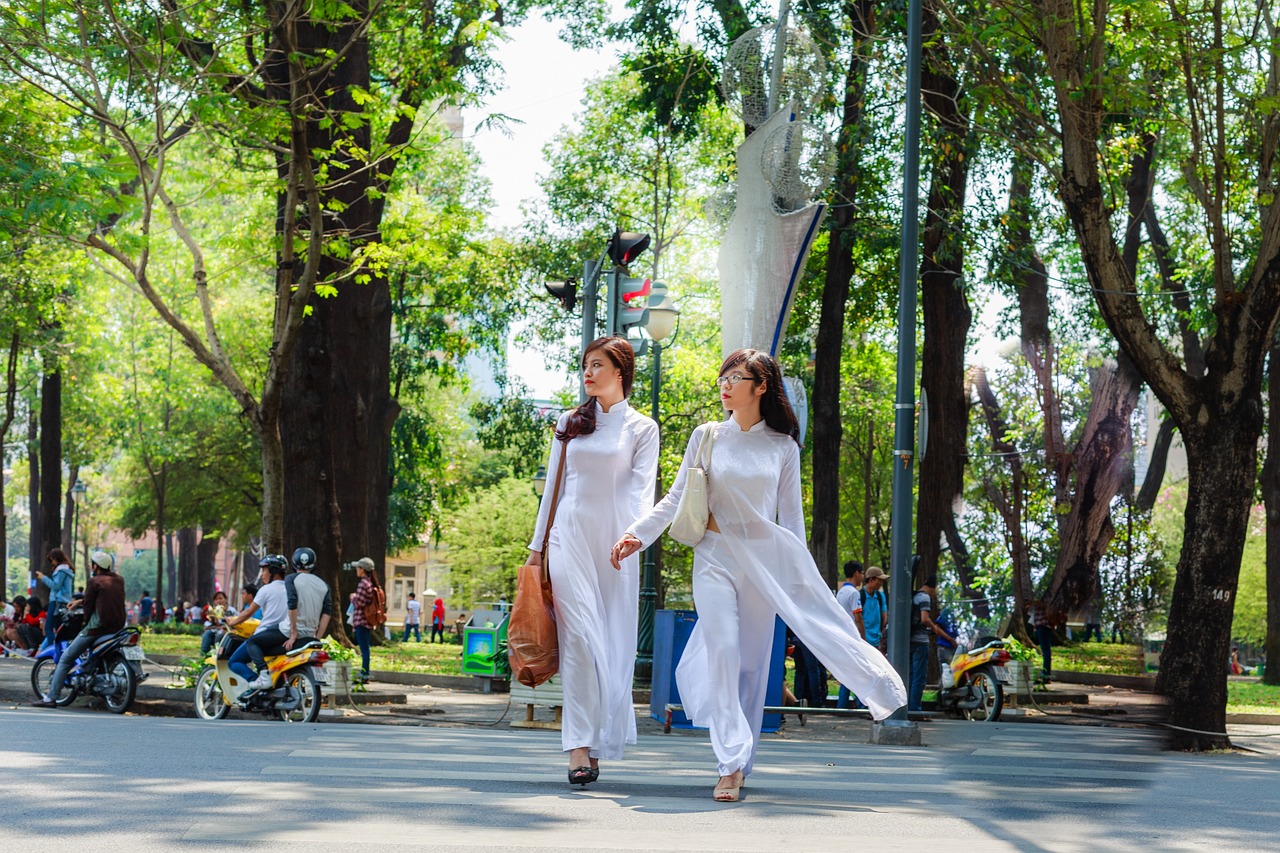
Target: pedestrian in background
{"points": [[849, 597], [753, 564], [437, 619], [145, 605], [875, 608], [363, 595], [59, 584], [1044, 636], [412, 619]]}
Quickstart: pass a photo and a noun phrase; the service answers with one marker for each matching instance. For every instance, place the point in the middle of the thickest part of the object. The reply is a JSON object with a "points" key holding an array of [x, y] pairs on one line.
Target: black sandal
{"points": [[583, 775]]}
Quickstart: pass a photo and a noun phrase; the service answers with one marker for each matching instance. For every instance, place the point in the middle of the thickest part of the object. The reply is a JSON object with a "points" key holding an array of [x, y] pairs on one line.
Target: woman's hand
{"points": [[623, 548], [535, 559]]}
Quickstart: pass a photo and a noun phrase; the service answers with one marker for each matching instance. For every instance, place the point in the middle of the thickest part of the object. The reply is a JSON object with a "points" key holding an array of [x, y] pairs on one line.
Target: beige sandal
{"points": [[728, 792]]}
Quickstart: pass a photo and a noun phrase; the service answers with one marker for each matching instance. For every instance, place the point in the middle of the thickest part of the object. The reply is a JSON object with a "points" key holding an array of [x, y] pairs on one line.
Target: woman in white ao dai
{"points": [[611, 463], [754, 563]]}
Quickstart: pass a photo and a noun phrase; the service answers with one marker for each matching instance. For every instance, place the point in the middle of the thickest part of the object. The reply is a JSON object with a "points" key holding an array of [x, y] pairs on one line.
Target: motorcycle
{"points": [[110, 669], [974, 687], [296, 677]]}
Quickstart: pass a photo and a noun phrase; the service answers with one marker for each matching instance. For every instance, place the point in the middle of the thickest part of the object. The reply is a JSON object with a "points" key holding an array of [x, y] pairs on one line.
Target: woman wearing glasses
{"points": [[610, 466], [752, 564]]}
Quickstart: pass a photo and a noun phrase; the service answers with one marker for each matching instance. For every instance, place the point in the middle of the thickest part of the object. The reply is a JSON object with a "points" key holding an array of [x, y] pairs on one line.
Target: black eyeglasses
{"points": [[733, 379]]}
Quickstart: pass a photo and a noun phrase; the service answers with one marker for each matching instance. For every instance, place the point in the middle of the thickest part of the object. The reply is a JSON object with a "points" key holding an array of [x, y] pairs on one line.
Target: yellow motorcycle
{"points": [[296, 678], [974, 686]]}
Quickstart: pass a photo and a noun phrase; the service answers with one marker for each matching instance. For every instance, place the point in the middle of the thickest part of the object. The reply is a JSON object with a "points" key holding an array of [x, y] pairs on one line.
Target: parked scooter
{"points": [[294, 695], [973, 687], [111, 669]]}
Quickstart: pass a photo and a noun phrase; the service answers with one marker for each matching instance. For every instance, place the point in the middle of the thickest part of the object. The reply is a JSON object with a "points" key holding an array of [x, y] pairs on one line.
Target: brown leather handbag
{"points": [[533, 648]]}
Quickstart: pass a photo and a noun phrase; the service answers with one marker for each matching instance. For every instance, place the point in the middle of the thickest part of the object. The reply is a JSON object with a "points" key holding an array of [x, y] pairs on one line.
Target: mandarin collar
{"points": [[618, 408], [758, 426]]}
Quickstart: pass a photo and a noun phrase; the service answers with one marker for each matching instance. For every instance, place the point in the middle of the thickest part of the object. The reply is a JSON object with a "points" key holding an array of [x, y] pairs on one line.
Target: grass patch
{"points": [[1107, 658], [1244, 697], [427, 658]]}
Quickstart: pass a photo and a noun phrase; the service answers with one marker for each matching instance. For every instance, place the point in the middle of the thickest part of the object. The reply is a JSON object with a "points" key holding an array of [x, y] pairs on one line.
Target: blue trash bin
{"points": [[671, 630]]}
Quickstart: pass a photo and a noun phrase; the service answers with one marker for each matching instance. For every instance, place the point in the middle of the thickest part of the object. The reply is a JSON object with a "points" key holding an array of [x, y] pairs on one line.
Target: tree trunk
{"points": [[947, 316], [70, 519], [1010, 504], [50, 522], [161, 531], [10, 398], [35, 537], [1222, 465], [829, 345], [1146, 498], [207, 566], [1101, 471], [1270, 481], [171, 569], [187, 581], [336, 405]]}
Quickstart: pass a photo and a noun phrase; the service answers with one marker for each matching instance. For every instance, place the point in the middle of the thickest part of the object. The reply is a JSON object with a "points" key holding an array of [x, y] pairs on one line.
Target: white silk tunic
{"points": [[609, 480]]}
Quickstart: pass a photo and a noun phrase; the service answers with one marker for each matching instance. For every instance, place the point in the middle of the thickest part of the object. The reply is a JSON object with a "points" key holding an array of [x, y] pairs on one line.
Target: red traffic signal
{"points": [[565, 292], [626, 246]]}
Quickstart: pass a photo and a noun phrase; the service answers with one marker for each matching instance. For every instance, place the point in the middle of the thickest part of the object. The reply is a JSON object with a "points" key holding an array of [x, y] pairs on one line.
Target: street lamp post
{"points": [[77, 495], [663, 315]]}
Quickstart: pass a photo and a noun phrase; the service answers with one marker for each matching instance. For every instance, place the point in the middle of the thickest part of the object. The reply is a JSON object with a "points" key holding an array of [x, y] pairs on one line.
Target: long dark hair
{"points": [[774, 406], [59, 557], [582, 420]]}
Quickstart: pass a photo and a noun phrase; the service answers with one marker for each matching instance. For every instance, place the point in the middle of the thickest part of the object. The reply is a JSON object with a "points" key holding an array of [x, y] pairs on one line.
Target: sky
{"points": [[544, 84]]}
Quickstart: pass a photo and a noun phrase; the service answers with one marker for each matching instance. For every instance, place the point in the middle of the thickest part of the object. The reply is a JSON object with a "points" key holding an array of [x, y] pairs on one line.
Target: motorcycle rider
{"points": [[104, 609], [273, 601], [310, 602]]}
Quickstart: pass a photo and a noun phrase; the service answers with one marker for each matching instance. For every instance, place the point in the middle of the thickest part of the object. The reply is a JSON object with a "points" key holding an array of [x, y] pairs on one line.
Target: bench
{"points": [[550, 694]]}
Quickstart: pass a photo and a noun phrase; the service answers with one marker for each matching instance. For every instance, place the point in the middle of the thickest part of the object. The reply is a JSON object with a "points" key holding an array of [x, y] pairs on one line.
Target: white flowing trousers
{"points": [[723, 673], [596, 621], [738, 587]]}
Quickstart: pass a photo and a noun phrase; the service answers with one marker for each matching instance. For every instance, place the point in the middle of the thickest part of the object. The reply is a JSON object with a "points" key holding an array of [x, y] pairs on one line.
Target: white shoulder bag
{"points": [[690, 523]]}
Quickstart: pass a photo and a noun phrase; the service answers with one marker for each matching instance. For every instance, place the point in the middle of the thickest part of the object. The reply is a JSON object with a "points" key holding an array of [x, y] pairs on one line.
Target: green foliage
{"points": [[487, 539], [1020, 651]]}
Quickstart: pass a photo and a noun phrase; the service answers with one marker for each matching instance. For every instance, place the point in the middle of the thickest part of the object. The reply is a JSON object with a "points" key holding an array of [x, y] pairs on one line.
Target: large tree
{"points": [[1204, 81]]}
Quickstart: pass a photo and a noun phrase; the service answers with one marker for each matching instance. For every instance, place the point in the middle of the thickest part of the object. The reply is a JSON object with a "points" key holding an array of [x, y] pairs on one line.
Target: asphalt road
{"points": [[153, 784]]}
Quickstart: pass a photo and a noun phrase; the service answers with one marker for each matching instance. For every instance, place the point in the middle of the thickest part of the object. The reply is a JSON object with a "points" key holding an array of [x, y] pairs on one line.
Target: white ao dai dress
{"points": [[757, 566], [608, 481]]}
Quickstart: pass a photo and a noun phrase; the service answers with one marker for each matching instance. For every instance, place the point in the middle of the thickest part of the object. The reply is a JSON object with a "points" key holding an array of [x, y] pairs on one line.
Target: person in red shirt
{"points": [[437, 620]]}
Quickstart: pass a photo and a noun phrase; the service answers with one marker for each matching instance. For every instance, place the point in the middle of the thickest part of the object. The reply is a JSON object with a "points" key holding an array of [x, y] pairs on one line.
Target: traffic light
{"points": [[626, 246], [565, 292], [628, 306]]}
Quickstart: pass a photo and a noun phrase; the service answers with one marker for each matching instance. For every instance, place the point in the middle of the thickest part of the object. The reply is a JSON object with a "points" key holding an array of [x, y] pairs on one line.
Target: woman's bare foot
{"points": [[728, 788]]}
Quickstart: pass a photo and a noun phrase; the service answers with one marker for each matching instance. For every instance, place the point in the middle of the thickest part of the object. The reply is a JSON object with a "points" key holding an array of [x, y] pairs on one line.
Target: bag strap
{"points": [[703, 458], [555, 499]]}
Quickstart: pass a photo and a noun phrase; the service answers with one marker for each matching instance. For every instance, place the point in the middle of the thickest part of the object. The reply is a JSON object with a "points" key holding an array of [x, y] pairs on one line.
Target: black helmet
{"points": [[304, 560], [274, 563]]}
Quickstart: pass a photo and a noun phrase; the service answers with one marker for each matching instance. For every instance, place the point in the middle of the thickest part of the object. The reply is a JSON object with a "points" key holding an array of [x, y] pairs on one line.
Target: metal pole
{"points": [[648, 590], [904, 406], [75, 534], [590, 287]]}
